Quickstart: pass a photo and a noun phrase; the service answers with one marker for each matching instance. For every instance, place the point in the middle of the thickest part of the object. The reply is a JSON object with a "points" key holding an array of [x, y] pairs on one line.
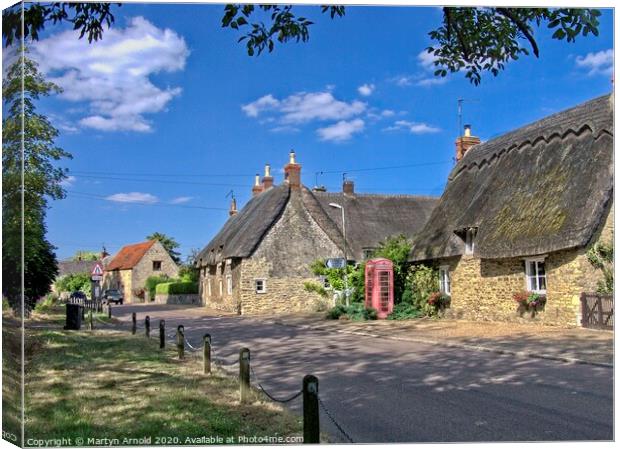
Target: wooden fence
{"points": [[597, 310]]}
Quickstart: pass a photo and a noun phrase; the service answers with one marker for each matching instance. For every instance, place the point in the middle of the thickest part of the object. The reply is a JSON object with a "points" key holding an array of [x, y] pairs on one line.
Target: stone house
{"points": [[520, 212], [260, 259], [128, 270]]}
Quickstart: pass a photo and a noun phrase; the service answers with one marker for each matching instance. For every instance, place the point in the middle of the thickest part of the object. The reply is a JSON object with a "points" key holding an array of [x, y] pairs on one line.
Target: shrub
{"points": [[405, 311], [6, 306], [73, 282], [189, 273], [153, 281], [422, 281], [354, 312], [177, 288], [46, 303], [315, 287]]}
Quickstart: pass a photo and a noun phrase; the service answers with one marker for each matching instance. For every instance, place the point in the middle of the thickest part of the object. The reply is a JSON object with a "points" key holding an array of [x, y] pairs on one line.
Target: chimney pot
{"points": [[292, 172], [267, 179], [465, 142], [467, 131], [233, 207], [348, 188], [258, 188]]}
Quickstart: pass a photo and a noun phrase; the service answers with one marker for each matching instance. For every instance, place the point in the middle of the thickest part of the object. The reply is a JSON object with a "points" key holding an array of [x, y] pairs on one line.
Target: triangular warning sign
{"points": [[97, 270]]}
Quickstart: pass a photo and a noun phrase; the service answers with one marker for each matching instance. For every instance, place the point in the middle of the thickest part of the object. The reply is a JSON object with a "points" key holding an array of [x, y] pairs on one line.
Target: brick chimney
{"points": [[233, 207], [267, 179], [104, 253], [292, 172], [465, 142], [257, 188], [348, 188]]}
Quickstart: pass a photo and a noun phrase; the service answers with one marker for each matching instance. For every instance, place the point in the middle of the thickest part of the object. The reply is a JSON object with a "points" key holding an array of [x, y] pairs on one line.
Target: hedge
{"points": [[177, 288]]}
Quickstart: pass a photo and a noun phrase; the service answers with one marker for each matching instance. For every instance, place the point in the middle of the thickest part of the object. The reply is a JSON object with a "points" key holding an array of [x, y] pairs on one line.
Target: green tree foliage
{"points": [[601, 256], [397, 249], [423, 281], [152, 282], [472, 40], [86, 255], [169, 245], [88, 18], [41, 181], [73, 282]]}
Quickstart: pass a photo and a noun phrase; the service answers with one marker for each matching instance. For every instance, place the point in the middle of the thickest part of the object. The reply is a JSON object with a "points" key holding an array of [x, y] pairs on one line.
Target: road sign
{"points": [[97, 270], [96, 278], [335, 263]]}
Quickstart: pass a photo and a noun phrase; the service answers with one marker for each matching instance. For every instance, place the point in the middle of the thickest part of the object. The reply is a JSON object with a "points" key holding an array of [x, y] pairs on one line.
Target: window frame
{"points": [[445, 269], [470, 241], [229, 284], [536, 276], [159, 262], [263, 289]]}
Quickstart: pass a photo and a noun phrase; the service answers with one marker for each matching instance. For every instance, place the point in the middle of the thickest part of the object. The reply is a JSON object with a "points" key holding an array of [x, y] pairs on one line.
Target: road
{"points": [[397, 391]]}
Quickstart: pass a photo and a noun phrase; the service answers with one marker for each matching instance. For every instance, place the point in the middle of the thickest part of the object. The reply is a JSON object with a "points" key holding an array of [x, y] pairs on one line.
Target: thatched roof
{"points": [[66, 267], [370, 219], [542, 188]]}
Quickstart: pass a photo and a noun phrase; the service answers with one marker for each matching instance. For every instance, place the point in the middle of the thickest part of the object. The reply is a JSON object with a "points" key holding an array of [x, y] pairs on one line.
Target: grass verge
{"points": [[106, 387]]}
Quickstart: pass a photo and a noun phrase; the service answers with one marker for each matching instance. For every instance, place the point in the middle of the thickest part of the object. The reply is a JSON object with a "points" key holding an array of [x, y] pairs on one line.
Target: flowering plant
{"points": [[438, 299], [529, 300], [521, 297]]}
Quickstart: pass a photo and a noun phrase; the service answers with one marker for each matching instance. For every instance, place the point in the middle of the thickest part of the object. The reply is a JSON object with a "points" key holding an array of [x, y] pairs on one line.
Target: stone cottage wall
{"points": [[482, 289], [144, 268], [120, 279], [216, 274]]}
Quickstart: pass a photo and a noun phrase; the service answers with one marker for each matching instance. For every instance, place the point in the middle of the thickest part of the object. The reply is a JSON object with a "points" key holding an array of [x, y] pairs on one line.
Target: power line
{"points": [[139, 203], [203, 175], [161, 181], [392, 167]]}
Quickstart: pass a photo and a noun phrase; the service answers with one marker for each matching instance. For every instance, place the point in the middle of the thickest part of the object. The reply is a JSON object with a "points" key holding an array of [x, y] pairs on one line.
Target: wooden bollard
{"points": [[134, 324], [109, 310], [311, 409], [244, 374], [147, 326], [181, 341], [90, 320], [206, 354], [162, 334]]}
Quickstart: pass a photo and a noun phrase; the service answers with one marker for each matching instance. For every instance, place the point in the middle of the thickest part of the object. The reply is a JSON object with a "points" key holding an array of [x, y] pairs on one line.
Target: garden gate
{"points": [[597, 310]]}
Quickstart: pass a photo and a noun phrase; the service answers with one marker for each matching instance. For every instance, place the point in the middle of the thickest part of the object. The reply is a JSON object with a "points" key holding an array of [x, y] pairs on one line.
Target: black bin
{"points": [[74, 317]]}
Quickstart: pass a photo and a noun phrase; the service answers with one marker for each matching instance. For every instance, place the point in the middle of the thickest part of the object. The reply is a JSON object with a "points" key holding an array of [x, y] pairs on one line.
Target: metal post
{"points": [[181, 341], [147, 326], [311, 409], [162, 334], [206, 354], [244, 374], [134, 324], [344, 243]]}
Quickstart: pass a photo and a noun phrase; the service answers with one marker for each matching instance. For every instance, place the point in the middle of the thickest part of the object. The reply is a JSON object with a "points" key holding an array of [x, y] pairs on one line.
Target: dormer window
{"points": [[470, 237]]}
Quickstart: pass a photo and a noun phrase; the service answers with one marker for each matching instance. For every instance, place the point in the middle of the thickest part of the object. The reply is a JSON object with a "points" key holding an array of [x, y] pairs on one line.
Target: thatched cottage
{"points": [[520, 212], [260, 259], [128, 270]]}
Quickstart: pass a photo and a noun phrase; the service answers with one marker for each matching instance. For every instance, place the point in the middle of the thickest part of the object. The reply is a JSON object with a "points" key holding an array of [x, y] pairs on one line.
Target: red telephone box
{"points": [[379, 278]]}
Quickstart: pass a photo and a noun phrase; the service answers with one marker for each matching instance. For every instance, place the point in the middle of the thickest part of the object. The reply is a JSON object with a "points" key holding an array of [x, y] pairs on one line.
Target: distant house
{"points": [[79, 266], [260, 259], [133, 264], [520, 212]]}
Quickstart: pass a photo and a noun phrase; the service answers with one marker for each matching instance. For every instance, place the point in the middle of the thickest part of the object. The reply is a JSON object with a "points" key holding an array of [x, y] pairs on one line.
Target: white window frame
{"points": [[209, 286], [529, 275], [221, 287], [444, 273], [263, 289], [229, 284]]}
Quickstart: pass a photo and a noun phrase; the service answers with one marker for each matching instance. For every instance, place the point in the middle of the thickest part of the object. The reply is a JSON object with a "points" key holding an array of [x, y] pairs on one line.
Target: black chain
{"points": [[282, 401], [338, 426]]}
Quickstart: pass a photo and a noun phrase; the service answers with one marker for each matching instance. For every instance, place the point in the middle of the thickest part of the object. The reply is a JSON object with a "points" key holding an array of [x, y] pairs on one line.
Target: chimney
{"points": [[465, 142], [267, 179], [233, 207], [257, 188], [292, 172], [104, 253], [348, 187]]}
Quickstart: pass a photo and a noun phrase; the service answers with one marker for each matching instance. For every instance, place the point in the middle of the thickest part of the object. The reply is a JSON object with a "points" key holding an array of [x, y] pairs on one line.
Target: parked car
{"points": [[112, 295]]}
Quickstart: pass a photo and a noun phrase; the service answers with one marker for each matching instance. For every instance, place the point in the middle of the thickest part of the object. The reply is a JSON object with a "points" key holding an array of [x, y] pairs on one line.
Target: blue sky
{"points": [[168, 113]]}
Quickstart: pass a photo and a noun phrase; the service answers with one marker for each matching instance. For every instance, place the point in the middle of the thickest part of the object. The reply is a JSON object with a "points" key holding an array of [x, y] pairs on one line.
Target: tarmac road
{"points": [[382, 390]]}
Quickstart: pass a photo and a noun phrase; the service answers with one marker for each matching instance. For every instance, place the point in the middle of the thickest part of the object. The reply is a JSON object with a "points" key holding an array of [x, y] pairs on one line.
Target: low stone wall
{"points": [[178, 299]]}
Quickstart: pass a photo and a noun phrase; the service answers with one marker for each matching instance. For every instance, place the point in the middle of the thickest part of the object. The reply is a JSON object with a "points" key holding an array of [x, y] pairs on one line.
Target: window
{"points": [[260, 285], [444, 280], [209, 286], [221, 288], [229, 284], [367, 253], [470, 235], [535, 275], [156, 265]]}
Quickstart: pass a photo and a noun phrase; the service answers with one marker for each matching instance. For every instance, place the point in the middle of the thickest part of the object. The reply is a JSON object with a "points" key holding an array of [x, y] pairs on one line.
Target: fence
{"points": [[309, 391], [597, 311]]}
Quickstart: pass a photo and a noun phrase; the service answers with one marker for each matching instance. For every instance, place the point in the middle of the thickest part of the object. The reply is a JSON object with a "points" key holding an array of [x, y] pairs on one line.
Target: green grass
{"points": [[109, 384], [11, 377]]}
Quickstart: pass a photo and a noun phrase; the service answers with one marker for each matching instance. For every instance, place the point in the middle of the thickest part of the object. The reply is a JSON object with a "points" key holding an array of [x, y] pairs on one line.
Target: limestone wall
{"points": [[161, 298], [217, 275], [144, 268]]}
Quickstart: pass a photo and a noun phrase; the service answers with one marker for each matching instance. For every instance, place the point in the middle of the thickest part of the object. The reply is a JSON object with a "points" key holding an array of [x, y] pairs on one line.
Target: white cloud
{"points": [[341, 131], [425, 82], [112, 74], [413, 127], [402, 80], [304, 107], [68, 181], [181, 199], [599, 63], [133, 197], [366, 89], [426, 60], [387, 113]]}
